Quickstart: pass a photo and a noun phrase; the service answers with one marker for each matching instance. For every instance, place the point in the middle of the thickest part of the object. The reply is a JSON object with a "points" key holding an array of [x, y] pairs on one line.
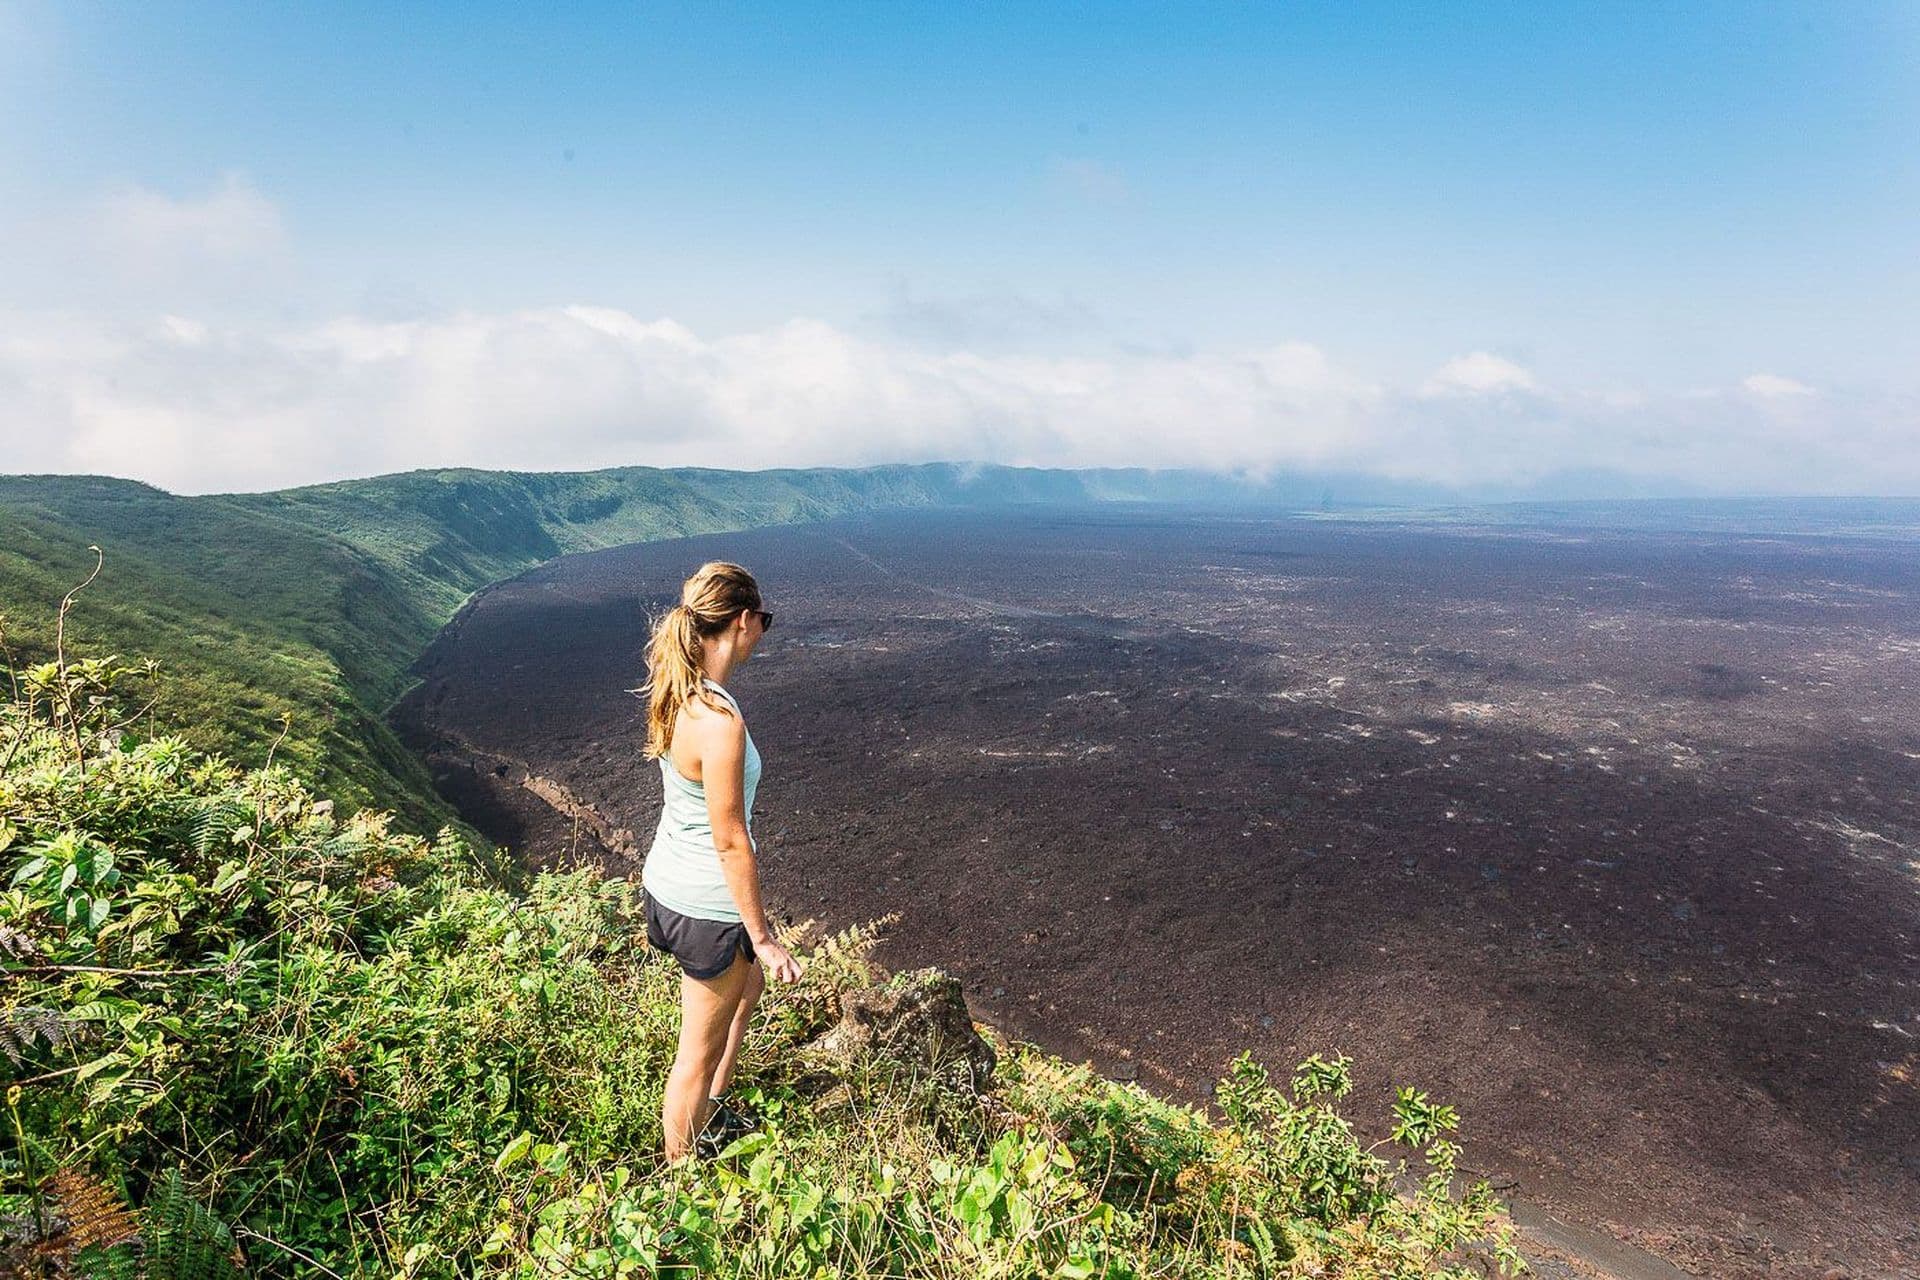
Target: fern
{"points": [[119, 1262], [1268, 1251], [185, 1241], [840, 962], [853, 946], [92, 1235], [95, 1233], [18, 945], [213, 826], [21, 1027], [844, 960], [93, 1213]]}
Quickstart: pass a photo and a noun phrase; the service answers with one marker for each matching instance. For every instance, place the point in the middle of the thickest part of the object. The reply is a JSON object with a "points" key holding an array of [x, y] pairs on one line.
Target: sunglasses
{"points": [[766, 618]]}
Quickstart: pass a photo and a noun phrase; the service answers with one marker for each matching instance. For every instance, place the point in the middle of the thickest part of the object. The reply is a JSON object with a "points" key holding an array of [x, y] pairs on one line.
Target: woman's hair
{"points": [[709, 601]]}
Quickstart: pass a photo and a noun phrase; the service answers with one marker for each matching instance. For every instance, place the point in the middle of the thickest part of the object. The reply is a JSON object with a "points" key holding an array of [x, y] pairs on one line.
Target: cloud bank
{"points": [[192, 398], [196, 407]]}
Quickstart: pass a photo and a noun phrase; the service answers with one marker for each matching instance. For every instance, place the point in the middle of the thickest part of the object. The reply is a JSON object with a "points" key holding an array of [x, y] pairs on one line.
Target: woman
{"points": [[703, 888]]}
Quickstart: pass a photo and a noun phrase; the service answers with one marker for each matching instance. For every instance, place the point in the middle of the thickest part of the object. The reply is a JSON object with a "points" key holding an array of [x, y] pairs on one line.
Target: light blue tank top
{"points": [[682, 870]]}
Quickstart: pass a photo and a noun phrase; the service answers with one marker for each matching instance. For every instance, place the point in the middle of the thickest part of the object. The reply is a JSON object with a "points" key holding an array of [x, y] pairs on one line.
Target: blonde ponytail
{"points": [[709, 601]]}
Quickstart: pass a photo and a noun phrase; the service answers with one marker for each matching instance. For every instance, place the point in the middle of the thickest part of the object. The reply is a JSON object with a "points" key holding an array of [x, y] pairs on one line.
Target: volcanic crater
{"points": [[1609, 836]]}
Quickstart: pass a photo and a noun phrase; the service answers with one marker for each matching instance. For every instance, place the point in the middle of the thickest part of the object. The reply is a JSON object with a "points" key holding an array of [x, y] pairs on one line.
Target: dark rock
{"points": [[918, 1018]]}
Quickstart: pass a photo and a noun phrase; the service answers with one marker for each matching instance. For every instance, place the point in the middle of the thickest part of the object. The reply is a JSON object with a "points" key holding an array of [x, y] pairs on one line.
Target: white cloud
{"points": [[197, 406], [142, 352], [136, 251], [154, 234], [185, 331], [194, 407], [1476, 374], [1773, 386]]}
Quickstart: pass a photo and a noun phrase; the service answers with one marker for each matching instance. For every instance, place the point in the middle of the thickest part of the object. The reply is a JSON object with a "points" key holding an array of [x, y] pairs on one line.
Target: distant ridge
{"points": [[313, 601]]}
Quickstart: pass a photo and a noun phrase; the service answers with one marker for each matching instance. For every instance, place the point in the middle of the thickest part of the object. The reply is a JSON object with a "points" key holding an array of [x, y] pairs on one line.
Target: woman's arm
{"points": [[723, 771]]}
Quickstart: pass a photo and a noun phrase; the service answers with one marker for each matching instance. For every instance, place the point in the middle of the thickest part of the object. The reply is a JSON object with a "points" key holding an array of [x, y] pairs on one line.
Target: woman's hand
{"points": [[777, 960]]}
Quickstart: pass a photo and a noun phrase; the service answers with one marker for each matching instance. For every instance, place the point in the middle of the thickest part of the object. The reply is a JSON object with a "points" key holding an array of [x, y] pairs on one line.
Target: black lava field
{"points": [[1609, 836]]}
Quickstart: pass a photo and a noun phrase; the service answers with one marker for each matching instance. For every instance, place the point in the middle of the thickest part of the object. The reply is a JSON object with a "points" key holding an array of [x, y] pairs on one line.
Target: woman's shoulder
{"points": [[709, 721]]}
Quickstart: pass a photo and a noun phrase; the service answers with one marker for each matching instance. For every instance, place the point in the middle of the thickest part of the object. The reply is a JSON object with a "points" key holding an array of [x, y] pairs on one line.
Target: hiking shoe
{"points": [[724, 1126]]}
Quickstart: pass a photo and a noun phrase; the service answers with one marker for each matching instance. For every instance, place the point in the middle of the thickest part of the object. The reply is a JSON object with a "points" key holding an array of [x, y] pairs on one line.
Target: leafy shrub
{"points": [[311, 1047]]}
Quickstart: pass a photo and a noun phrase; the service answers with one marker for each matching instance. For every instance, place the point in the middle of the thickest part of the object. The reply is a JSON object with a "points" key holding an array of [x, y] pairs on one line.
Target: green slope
{"points": [[250, 617], [312, 602]]}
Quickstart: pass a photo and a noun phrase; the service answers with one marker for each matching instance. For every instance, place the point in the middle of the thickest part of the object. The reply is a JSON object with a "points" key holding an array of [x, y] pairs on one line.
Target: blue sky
{"points": [[1470, 242]]}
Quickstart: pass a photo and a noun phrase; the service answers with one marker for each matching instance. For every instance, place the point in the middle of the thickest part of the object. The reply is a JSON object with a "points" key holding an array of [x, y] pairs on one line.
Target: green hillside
{"points": [[311, 602], [241, 1036], [251, 617]]}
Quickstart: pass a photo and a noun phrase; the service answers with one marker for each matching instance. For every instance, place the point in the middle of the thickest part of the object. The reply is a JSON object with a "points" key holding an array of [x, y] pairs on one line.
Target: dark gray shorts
{"points": [[704, 948]]}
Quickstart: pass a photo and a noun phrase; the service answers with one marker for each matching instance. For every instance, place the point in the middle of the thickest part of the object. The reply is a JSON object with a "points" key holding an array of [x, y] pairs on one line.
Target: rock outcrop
{"points": [[918, 1019]]}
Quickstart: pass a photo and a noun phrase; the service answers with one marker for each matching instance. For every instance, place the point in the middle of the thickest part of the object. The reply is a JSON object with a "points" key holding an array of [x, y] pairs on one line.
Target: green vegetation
{"points": [[310, 603], [251, 618], [242, 1033]]}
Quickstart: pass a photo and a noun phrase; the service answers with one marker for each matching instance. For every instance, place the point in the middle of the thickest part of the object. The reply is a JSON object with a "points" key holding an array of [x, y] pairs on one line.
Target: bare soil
{"points": [[1611, 838]]}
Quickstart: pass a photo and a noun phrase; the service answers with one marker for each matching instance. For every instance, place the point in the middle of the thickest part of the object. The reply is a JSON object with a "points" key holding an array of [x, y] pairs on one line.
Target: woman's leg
{"points": [[707, 1007], [749, 996]]}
